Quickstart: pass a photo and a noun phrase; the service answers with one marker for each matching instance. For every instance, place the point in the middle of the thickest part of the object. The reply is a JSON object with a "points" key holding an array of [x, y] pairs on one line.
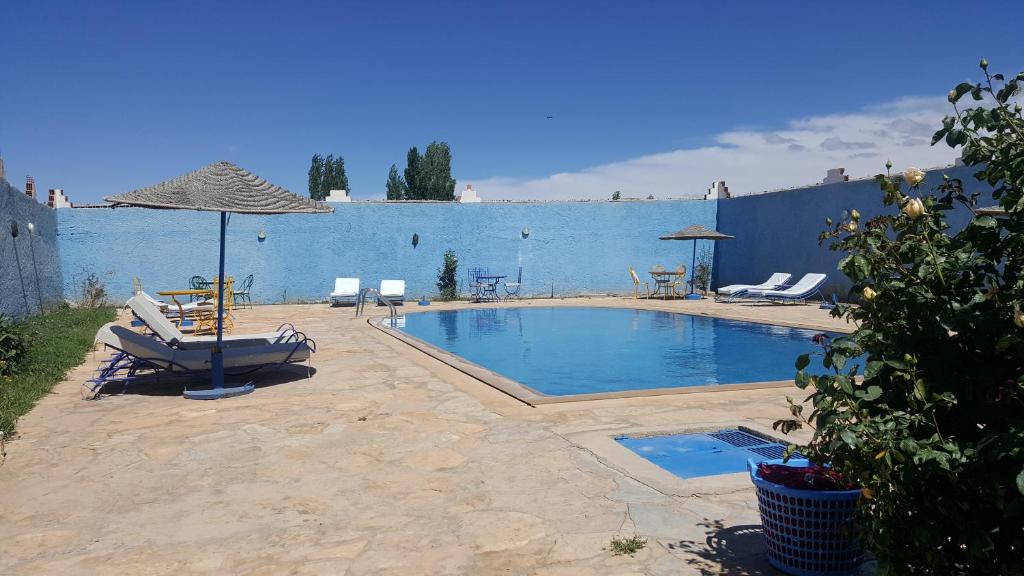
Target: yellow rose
{"points": [[851, 227], [1018, 317], [913, 176], [854, 215], [869, 293], [914, 208]]}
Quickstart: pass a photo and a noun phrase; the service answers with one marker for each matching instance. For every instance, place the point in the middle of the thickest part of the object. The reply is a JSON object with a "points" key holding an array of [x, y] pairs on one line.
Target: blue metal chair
{"points": [[512, 288], [475, 286]]}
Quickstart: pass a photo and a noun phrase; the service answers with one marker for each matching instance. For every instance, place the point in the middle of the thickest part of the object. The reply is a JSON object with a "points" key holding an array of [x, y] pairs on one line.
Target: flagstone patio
{"points": [[384, 461]]}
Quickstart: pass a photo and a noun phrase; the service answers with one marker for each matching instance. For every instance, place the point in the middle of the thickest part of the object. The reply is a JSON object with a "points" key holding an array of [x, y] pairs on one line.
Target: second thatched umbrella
{"points": [[222, 187], [695, 232]]}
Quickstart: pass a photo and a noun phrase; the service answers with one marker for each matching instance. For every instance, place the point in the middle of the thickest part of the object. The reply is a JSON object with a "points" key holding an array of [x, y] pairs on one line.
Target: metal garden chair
{"points": [[475, 285], [243, 291], [197, 283], [512, 288]]}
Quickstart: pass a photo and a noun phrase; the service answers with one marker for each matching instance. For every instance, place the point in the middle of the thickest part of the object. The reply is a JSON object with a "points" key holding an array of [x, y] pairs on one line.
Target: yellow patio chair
{"points": [[636, 284], [680, 280]]}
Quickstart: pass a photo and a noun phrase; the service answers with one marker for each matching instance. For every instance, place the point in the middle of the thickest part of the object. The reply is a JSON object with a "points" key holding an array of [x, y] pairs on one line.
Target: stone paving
{"points": [[385, 461]]}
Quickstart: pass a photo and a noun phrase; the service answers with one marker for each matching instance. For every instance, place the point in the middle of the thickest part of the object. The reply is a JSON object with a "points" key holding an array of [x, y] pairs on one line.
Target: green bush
{"points": [[13, 342], [447, 274], [924, 405]]}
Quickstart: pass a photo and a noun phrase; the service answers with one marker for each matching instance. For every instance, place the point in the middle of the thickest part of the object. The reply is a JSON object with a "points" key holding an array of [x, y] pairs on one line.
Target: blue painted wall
{"points": [[573, 247], [778, 232], [30, 275]]}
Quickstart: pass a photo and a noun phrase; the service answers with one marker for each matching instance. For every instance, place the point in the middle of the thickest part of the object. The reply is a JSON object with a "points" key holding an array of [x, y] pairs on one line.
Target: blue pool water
{"points": [[562, 351], [704, 454]]}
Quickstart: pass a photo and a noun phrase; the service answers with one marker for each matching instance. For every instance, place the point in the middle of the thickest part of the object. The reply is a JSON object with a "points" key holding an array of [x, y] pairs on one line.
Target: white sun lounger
{"points": [[774, 282], [169, 333], [159, 355], [393, 290], [345, 290], [806, 287]]}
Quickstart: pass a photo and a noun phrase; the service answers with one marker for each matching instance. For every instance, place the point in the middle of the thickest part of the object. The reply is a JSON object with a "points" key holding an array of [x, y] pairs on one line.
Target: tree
{"points": [[447, 277], [396, 186], [316, 170], [339, 179], [932, 428], [413, 183], [326, 174], [436, 171], [617, 195], [327, 179]]}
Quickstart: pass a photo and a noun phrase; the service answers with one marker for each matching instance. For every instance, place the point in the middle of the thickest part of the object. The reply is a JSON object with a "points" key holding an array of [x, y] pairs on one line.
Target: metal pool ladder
{"points": [[361, 301]]}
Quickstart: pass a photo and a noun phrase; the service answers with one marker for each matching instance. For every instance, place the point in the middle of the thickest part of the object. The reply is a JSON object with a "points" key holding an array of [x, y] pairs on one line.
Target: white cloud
{"points": [[753, 161]]}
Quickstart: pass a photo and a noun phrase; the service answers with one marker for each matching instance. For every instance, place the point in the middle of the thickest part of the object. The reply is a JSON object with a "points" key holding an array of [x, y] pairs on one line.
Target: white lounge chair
{"points": [[345, 290], [161, 356], [166, 330], [393, 290], [806, 287], [160, 304], [774, 282]]}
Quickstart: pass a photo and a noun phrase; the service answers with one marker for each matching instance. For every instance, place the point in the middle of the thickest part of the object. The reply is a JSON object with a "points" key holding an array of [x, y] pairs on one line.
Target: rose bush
{"points": [[924, 403]]}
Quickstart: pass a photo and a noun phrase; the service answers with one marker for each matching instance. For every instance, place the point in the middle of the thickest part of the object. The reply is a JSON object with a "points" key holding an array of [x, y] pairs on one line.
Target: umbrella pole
{"points": [[693, 273], [217, 353]]}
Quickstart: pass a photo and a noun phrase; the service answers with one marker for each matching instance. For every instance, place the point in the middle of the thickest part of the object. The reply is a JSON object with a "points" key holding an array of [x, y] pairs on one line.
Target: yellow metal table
{"points": [[205, 321]]}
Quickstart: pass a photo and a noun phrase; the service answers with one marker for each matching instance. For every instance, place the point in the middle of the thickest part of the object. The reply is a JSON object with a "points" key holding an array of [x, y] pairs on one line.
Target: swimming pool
{"points": [[569, 351]]}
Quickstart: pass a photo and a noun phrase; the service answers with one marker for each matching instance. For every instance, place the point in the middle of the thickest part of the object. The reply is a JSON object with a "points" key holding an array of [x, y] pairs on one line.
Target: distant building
{"points": [[338, 196], [718, 191], [468, 196], [2, 167], [30, 187], [835, 175], [58, 199]]}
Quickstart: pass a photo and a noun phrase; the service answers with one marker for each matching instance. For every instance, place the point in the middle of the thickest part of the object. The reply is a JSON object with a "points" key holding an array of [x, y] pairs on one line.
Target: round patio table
{"points": [[489, 286], [666, 279], [202, 322]]}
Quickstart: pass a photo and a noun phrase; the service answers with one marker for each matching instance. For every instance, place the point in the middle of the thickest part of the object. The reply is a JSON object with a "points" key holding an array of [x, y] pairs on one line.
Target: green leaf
{"points": [[920, 389], [872, 369], [849, 437], [802, 361], [985, 222], [872, 393], [1020, 482]]}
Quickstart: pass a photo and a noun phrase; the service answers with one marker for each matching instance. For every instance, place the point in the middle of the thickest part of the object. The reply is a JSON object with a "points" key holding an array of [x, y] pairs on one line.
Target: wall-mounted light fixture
{"points": [[262, 235], [14, 229], [526, 232], [31, 228], [415, 240]]}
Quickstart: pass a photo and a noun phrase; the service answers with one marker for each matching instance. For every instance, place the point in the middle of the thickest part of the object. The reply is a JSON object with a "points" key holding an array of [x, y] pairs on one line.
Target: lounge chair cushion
{"points": [[777, 279], [805, 287], [345, 287], [392, 288]]}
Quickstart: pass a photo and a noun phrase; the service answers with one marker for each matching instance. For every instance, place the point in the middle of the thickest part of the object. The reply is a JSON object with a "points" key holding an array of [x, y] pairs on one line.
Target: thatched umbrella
{"points": [[221, 187], [695, 232]]}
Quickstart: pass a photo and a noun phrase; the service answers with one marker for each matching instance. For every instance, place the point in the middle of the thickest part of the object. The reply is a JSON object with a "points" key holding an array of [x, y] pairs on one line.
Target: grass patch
{"points": [[57, 342], [629, 546]]}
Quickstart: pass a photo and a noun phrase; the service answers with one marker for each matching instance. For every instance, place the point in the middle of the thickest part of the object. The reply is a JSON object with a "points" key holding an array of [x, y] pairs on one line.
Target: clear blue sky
{"points": [[102, 97]]}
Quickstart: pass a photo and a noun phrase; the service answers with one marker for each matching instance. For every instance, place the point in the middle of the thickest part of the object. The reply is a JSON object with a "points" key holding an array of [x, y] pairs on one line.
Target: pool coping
{"points": [[531, 397]]}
